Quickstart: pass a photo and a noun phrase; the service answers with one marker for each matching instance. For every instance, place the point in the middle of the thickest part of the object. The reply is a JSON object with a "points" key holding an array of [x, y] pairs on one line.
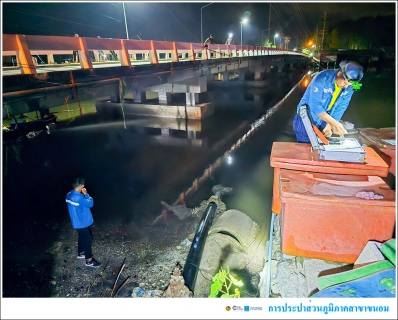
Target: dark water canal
{"points": [[130, 171]]}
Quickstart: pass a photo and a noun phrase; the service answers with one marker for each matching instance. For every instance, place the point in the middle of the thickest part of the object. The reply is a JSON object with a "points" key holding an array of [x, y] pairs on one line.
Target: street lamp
{"points": [[125, 22], [241, 27], [262, 36], [201, 25], [275, 36]]}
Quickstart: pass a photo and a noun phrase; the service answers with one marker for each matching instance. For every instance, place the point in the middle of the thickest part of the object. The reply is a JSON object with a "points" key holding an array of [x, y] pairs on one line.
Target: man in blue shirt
{"points": [[79, 203], [327, 97]]}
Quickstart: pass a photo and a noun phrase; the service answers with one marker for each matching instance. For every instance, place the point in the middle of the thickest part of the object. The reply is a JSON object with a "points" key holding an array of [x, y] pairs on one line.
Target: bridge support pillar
{"points": [[50, 58], [225, 76], [164, 97], [241, 74], [192, 99], [280, 66], [191, 135], [139, 96], [258, 75]]}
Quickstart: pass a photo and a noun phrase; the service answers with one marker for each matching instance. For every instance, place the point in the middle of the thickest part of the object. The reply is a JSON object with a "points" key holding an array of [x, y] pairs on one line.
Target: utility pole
{"points": [[324, 31], [269, 23], [125, 22], [287, 40], [201, 23]]}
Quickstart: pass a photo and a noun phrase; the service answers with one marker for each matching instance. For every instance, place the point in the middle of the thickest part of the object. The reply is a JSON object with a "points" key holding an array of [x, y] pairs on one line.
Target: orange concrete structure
{"points": [[323, 218], [374, 138], [301, 157]]}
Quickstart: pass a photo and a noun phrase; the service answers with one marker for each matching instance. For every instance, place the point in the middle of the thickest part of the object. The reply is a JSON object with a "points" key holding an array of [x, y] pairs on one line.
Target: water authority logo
{"points": [[248, 308], [245, 308], [237, 308]]}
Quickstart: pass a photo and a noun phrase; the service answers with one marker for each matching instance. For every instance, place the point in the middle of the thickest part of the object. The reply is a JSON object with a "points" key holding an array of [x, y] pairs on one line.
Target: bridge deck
{"points": [[25, 47]]}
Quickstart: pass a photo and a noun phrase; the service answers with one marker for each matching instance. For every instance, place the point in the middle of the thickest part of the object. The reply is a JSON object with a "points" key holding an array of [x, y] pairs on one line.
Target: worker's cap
{"points": [[352, 71], [211, 35]]}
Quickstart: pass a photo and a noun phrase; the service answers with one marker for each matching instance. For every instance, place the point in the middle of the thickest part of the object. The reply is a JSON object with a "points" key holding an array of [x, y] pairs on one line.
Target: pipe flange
{"points": [[219, 189]]}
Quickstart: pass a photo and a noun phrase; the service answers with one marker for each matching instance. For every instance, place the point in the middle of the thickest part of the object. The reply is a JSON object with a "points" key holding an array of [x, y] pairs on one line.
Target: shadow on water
{"points": [[130, 171]]}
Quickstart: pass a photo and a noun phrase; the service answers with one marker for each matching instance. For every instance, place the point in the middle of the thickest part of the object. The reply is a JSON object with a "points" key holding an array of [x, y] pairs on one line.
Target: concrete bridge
{"points": [[171, 70]]}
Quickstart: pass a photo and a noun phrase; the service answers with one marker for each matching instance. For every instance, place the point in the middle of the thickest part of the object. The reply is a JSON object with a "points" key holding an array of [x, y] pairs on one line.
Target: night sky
{"points": [[181, 21]]}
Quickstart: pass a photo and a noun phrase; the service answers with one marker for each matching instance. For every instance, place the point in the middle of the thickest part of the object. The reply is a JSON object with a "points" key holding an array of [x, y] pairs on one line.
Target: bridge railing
{"points": [[26, 47]]}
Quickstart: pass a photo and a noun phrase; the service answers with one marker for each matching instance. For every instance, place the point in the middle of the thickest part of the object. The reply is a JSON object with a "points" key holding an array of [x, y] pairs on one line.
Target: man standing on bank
{"points": [[327, 98], [79, 204]]}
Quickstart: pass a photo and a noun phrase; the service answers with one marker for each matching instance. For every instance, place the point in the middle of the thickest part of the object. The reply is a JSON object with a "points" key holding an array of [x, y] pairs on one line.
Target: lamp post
{"points": [[201, 24], [275, 36], [262, 36], [241, 28], [125, 22]]}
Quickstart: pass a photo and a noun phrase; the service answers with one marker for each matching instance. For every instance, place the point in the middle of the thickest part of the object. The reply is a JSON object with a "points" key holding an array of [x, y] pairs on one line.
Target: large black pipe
{"points": [[195, 252]]}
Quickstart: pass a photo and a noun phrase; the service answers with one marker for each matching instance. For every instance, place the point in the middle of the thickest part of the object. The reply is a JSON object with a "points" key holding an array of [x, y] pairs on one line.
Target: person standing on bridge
{"points": [[209, 40], [79, 203], [230, 39], [327, 98]]}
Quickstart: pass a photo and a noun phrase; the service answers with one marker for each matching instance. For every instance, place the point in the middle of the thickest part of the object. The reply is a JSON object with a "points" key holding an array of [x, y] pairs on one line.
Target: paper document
{"points": [[390, 141]]}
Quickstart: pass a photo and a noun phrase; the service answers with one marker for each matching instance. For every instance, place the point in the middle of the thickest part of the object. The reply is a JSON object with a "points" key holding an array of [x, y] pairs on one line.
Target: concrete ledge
{"points": [[238, 83], [199, 111], [225, 84]]}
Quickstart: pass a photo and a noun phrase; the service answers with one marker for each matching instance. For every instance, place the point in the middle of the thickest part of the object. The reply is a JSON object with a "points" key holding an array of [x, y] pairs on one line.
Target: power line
{"points": [[128, 13], [161, 15], [31, 27], [181, 24], [54, 18]]}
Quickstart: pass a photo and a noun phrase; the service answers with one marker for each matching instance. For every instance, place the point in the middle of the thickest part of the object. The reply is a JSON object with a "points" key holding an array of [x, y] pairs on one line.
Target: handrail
{"points": [[26, 46]]}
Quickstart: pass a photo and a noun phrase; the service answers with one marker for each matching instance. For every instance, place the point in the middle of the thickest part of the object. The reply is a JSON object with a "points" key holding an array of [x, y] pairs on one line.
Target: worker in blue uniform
{"points": [[79, 203], [327, 97]]}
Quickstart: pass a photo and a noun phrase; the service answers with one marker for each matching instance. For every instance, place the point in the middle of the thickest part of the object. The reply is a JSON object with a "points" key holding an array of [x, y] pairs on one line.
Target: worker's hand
{"points": [[84, 191], [327, 131], [338, 128]]}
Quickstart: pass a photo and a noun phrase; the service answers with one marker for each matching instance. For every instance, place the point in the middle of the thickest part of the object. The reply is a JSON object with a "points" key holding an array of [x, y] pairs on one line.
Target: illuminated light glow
{"points": [[229, 160]]}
